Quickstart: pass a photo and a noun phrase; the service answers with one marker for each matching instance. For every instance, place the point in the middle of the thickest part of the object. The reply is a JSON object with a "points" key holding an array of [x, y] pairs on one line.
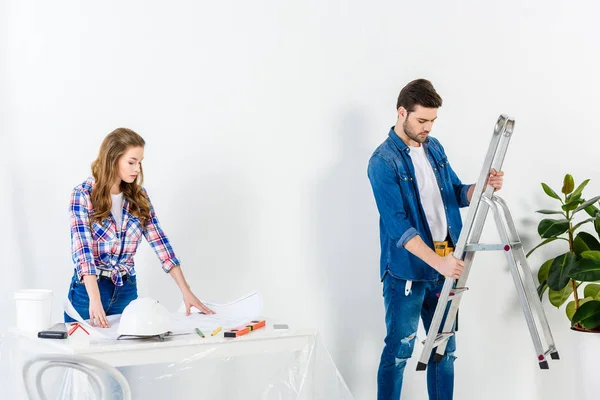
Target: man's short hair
{"points": [[419, 92]]}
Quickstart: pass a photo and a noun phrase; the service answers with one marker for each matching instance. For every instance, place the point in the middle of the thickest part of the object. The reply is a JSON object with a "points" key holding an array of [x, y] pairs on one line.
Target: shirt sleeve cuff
{"points": [[170, 263], [464, 201], [87, 270], [409, 234]]}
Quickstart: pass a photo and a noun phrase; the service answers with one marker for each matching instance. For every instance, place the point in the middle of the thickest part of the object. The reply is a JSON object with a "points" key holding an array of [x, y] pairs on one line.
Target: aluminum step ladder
{"points": [[468, 244]]}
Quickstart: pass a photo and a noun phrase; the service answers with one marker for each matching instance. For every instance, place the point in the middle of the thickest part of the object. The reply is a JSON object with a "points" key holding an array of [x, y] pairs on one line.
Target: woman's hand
{"points": [[96, 310], [189, 299], [97, 313]]}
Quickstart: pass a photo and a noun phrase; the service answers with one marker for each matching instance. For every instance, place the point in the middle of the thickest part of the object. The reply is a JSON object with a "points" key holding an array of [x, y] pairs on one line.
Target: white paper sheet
{"points": [[228, 316]]}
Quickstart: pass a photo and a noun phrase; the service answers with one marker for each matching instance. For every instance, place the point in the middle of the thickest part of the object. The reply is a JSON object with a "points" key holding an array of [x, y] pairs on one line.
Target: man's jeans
{"points": [[114, 298], [402, 319]]}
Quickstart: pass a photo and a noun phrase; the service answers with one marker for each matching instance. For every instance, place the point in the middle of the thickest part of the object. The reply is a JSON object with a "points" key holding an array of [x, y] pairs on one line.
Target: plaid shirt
{"points": [[104, 246]]}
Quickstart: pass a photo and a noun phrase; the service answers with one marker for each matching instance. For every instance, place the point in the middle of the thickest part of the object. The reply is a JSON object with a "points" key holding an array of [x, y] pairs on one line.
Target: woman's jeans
{"points": [[402, 314], [114, 299]]}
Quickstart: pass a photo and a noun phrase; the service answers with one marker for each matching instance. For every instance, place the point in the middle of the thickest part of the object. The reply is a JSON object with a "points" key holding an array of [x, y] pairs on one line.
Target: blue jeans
{"points": [[114, 298], [402, 319]]}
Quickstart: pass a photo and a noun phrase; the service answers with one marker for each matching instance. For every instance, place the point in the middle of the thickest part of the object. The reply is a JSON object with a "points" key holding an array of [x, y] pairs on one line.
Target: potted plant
{"points": [[572, 273]]}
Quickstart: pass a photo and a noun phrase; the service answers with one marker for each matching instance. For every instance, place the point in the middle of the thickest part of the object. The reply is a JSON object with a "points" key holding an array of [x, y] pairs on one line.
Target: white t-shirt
{"points": [[431, 199], [117, 208]]}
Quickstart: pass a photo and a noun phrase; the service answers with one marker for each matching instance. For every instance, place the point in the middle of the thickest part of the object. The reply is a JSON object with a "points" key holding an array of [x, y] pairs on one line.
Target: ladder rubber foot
{"points": [[421, 366], [544, 365], [438, 357], [555, 355]]}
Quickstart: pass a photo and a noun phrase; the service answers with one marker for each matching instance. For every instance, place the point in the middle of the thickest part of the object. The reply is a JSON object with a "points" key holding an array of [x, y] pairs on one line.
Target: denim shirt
{"points": [[402, 217]]}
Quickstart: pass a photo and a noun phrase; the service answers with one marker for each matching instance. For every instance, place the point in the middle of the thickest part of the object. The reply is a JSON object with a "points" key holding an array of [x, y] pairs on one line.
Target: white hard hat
{"points": [[145, 317]]}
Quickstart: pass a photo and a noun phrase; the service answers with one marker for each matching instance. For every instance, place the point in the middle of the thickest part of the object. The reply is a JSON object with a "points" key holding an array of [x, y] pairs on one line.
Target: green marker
{"points": [[199, 332]]}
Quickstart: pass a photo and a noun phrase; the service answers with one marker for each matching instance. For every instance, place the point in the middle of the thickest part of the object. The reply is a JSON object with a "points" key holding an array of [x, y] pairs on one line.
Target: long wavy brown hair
{"points": [[105, 172]]}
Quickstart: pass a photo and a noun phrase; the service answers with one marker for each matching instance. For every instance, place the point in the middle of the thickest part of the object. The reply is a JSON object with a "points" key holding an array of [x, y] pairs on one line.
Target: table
{"points": [[265, 364]]}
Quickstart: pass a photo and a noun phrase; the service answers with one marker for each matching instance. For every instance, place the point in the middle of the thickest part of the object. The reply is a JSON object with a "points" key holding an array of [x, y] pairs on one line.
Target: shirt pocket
{"points": [[443, 162], [106, 241], [406, 184], [133, 234], [443, 167]]}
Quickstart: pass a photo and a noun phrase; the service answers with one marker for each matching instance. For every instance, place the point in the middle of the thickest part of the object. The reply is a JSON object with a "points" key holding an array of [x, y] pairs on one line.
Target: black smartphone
{"points": [[57, 331]]}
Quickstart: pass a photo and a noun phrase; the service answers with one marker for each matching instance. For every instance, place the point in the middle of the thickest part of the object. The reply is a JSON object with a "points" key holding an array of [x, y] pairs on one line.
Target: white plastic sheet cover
{"points": [[267, 364], [210, 371]]}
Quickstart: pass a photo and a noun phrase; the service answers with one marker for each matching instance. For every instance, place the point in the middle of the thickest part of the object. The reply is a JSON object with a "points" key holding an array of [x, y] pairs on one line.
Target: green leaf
{"points": [[597, 225], [552, 227], [541, 289], [571, 205], [592, 210], [550, 192], [568, 184], [588, 315], [570, 309], [552, 239], [558, 297], [592, 290], [586, 204], [584, 242], [544, 269], [550, 212], [558, 276], [573, 198], [579, 189], [579, 224], [585, 270], [591, 254]]}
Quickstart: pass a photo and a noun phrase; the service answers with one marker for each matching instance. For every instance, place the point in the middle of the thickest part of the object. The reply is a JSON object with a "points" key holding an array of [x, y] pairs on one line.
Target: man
{"points": [[418, 196]]}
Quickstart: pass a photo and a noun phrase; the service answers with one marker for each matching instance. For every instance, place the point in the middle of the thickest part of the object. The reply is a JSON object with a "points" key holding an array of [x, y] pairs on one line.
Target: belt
{"points": [[442, 248], [107, 273]]}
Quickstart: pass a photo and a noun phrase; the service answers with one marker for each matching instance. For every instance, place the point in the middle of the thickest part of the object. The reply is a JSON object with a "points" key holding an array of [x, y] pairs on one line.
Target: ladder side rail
{"points": [[537, 342], [530, 284]]}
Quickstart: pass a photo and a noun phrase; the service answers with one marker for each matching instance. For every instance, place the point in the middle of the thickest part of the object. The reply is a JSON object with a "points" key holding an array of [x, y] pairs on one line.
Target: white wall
{"points": [[260, 118]]}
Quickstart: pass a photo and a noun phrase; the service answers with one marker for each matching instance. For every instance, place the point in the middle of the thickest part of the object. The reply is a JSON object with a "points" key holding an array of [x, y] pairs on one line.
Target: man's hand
{"points": [[450, 266], [496, 179]]}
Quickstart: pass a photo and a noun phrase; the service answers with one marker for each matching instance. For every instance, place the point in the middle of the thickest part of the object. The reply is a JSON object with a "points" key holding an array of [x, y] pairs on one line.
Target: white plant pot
{"points": [[586, 357]]}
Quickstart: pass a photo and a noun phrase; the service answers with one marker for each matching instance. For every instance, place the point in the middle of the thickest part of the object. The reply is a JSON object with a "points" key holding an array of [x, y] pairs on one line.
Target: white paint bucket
{"points": [[34, 309]]}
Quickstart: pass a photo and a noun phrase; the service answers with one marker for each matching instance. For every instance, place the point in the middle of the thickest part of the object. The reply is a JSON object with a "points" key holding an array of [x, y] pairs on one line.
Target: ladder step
{"points": [[454, 292], [492, 247], [440, 338]]}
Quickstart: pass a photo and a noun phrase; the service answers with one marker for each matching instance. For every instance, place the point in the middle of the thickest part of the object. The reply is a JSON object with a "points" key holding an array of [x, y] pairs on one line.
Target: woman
{"points": [[109, 213]]}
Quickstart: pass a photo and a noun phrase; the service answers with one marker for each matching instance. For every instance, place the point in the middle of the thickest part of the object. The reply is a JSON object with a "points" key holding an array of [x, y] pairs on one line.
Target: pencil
{"points": [[199, 332], [216, 331]]}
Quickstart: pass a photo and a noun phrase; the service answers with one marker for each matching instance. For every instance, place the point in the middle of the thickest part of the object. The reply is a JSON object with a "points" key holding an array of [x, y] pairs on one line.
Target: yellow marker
{"points": [[216, 331]]}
